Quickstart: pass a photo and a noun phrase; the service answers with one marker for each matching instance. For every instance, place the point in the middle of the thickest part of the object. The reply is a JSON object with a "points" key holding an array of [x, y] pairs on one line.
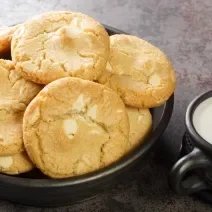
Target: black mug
{"points": [[193, 172]]}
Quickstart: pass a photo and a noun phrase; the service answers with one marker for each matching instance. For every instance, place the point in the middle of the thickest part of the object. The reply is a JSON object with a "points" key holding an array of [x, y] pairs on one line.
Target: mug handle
{"points": [[194, 160]]}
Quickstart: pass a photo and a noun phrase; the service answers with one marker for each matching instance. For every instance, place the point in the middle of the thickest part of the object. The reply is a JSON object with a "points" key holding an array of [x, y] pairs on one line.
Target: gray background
{"points": [[183, 30]]}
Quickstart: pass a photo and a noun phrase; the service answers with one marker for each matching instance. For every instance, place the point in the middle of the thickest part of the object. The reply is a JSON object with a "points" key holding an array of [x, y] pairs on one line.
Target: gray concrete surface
{"points": [[183, 30]]}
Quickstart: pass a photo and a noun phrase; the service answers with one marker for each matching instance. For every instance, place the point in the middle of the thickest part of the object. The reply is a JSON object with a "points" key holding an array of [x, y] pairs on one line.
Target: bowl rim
{"points": [[116, 167]]}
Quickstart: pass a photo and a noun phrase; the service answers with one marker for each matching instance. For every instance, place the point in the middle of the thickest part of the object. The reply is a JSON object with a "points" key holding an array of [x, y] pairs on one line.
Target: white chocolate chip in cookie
{"points": [[154, 80], [75, 22], [140, 117], [70, 127], [95, 132], [108, 67], [92, 111], [35, 116], [120, 111], [70, 33], [79, 104], [29, 66], [21, 91], [6, 162]]}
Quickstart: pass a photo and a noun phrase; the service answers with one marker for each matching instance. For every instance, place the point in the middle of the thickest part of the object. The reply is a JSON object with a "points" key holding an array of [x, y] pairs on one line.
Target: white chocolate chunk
{"points": [[79, 105], [6, 162], [154, 80], [140, 117], [70, 127], [92, 112], [108, 67]]}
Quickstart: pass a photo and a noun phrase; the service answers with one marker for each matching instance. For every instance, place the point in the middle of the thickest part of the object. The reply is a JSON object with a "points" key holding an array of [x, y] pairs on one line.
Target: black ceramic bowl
{"points": [[34, 189]]}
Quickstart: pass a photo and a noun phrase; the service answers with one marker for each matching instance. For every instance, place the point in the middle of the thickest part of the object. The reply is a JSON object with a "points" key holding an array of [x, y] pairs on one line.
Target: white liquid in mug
{"points": [[202, 119]]}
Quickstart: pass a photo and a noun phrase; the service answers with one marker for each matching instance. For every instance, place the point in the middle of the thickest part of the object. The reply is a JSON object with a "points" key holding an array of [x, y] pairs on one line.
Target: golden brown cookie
{"points": [[15, 95], [75, 126], [140, 125], [15, 89], [11, 139], [16, 164], [6, 34], [139, 72], [60, 44]]}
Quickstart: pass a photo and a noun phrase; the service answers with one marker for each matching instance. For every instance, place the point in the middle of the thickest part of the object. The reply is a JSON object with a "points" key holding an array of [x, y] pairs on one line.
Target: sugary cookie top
{"points": [[138, 71], [75, 126], [60, 44], [15, 91]]}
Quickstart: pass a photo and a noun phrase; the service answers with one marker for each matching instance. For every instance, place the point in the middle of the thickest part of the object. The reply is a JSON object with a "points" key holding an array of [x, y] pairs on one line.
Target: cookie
{"points": [[15, 164], [11, 139], [6, 34], [15, 95], [60, 44], [75, 126], [139, 72], [140, 126], [14, 89]]}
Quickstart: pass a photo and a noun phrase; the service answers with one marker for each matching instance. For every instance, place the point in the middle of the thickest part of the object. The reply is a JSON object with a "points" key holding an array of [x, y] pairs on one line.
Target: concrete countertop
{"points": [[183, 30]]}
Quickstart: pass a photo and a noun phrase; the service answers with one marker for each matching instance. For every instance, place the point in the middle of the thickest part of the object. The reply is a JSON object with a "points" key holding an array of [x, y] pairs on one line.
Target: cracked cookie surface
{"points": [[75, 126], [140, 120], [15, 95], [6, 34], [139, 72], [60, 44], [16, 164]]}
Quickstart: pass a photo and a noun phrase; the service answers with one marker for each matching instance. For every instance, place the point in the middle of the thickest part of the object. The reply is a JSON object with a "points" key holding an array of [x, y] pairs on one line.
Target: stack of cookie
{"points": [[72, 99]]}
